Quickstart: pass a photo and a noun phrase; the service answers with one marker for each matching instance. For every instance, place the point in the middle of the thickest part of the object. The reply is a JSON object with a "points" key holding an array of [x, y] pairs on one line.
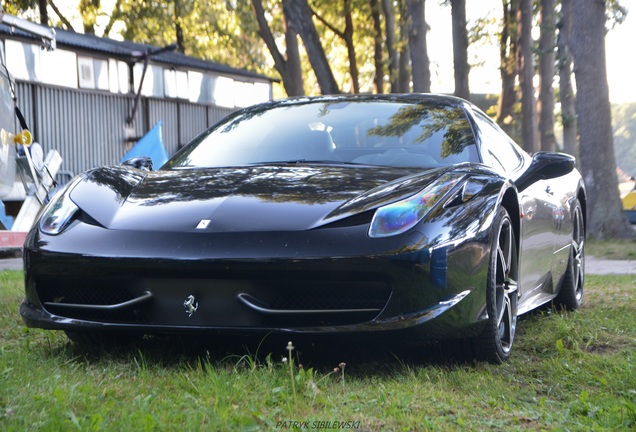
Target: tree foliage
{"points": [[359, 46]]}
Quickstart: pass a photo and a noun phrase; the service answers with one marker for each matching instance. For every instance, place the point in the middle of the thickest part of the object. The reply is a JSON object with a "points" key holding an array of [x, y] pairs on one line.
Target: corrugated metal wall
{"points": [[89, 128]]}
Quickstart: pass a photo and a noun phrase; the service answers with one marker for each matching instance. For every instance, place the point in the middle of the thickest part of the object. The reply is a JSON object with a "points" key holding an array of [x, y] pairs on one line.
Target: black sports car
{"points": [[408, 215]]}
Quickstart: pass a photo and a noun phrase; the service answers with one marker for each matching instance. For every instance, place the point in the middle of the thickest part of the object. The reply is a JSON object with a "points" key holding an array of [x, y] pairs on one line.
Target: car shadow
{"points": [[364, 357]]}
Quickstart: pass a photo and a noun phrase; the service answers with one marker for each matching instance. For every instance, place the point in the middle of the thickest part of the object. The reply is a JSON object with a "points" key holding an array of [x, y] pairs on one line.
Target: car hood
{"points": [[260, 198]]}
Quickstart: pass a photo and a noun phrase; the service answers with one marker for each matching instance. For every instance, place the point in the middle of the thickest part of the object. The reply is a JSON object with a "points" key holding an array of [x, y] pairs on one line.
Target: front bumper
{"points": [[311, 282]]}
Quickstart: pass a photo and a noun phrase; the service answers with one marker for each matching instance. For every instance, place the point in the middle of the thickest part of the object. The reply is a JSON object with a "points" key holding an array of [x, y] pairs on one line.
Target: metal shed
{"points": [[80, 98]]}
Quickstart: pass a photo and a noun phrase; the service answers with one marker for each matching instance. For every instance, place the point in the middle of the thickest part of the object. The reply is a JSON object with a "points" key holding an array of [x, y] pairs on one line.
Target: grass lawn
{"points": [[614, 250], [568, 371]]}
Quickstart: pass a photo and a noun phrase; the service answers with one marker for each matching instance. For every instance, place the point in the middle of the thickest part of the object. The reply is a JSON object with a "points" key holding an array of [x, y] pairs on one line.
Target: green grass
{"points": [[568, 371], [614, 249]]}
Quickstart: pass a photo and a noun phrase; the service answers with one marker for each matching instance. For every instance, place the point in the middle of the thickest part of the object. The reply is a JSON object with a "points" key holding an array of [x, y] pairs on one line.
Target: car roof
{"points": [[392, 97]]}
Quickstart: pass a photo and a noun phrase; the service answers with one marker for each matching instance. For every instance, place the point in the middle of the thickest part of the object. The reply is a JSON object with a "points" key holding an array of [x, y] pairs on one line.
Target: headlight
{"points": [[403, 215], [59, 212]]}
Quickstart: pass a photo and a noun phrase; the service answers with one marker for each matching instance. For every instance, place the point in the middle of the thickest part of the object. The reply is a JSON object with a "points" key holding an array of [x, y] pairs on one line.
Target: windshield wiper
{"points": [[301, 162]]}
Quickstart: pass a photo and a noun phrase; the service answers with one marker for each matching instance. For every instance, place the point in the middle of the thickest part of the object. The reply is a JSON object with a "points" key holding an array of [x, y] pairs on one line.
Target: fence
{"points": [[88, 128]]}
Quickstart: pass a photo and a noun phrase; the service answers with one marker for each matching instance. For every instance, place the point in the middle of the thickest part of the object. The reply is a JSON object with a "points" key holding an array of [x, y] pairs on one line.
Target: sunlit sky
{"points": [[484, 75]]}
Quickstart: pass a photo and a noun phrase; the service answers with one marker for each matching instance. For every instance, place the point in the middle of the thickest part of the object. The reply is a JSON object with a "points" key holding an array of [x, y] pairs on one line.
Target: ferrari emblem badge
{"points": [[191, 305], [203, 224]]}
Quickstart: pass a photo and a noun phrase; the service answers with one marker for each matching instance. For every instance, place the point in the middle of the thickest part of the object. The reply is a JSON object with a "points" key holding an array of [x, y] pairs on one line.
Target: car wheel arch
{"points": [[510, 201], [582, 197]]}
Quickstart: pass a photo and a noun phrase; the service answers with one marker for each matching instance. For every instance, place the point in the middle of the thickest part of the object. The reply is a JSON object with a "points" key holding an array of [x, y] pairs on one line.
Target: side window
{"points": [[496, 150]]}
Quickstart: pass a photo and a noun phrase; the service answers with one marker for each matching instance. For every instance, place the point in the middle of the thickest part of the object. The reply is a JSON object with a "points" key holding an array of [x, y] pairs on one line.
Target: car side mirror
{"points": [[545, 165], [140, 162]]}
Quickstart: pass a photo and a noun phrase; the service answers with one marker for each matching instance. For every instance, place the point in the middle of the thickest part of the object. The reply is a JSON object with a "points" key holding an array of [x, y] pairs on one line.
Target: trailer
{"points": [[27, 176]]}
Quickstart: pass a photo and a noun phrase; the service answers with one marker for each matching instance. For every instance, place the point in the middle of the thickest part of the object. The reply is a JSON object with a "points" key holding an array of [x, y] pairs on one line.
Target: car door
{"points": [[539, 227], [536, 211]]}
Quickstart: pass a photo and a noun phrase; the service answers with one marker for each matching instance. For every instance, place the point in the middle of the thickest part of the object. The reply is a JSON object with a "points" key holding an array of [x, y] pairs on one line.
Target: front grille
{"points": [[359, 301], [59, 295], [89, 294], [309, 301], [368, 297]]}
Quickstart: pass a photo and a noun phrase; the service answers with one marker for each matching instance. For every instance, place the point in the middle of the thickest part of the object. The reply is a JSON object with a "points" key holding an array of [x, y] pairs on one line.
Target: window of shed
{"points": [[200, 87], [101, 74], [23, 60], [244, 92], [123, 75], [59, 67], [113, 77], [170, 83], [86, 72], [224, 92], [182, 85], [153, 84]]}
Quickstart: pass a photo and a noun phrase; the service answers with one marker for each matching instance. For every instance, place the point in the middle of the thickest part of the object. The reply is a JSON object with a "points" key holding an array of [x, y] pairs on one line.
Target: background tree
{"points": [[508, 64], [89, 10], [65, 22], [420, 65], [44, 15], [300, 20], [604, 211], [460, 48], [404, 49], [288, 64], [525, 64], [545, 105], [378, 78], [347, 36], [179, 12], [566, 92], [389, 28]]}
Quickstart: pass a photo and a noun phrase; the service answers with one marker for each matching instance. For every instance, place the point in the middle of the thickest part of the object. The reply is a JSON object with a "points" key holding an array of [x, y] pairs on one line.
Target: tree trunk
{"points": [[177, 26], [545, 107], [378, 79], [351, 50], [508, 65], [44, 15], [566, 94], [294, 81], [288, 68], [526, 73], [88, 10], [604, 210], [404, 70], [420, 65], [460, 48], [347, 37], [300, 21], [389, 16], [114, 16], [62, 18]]}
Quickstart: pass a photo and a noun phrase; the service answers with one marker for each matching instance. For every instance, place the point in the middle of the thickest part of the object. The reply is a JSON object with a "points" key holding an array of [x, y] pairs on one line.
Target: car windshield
{"points": [[384, 133]]}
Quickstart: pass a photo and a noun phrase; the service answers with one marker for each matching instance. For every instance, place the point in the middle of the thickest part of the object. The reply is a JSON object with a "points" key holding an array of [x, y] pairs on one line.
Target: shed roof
{"points": [[130, 51]]}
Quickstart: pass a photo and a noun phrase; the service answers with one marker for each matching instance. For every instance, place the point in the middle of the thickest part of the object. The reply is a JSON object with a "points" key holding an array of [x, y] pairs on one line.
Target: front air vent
{"points": [[355, 220], [87, 219]]}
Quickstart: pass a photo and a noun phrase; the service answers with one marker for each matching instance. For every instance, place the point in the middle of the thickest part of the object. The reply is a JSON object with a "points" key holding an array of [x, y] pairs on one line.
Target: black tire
{"points": [[495, 341], [570, 296]]}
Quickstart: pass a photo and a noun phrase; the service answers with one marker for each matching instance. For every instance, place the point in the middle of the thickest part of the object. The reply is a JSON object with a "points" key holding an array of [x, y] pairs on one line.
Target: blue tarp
{"points": [[6, 222], [150, 145]]}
